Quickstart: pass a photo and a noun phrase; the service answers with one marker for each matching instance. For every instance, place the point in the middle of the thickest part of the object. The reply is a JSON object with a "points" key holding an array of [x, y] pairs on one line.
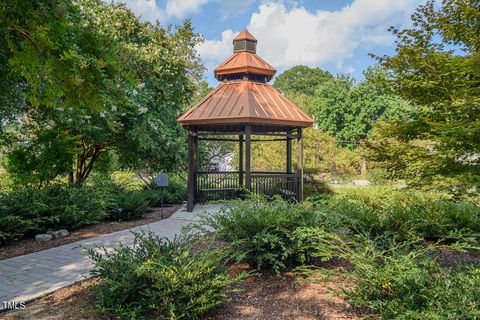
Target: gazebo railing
{"points": [[285, 185], [211, 186]]}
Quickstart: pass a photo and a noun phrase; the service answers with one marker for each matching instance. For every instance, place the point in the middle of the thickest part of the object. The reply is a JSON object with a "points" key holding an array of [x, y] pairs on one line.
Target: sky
{"points": [[335, 35]]}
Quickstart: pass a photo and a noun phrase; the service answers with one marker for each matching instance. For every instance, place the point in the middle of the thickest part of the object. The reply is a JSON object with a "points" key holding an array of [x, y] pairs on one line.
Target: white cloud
{"points": [[217, 50], [294, 36], [180, 8], [149, 10]]}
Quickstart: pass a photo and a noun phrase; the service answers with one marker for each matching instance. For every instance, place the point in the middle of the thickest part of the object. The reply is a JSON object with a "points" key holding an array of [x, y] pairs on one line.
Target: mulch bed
{"points": [[268, 297], [260, 297], [263, 297], [25, 246]]}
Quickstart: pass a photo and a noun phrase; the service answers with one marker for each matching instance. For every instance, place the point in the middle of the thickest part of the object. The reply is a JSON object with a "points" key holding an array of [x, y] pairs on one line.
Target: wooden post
{"points": [[192, 159], [240, 161], [289, 152], [248, 180], [300, 163]]}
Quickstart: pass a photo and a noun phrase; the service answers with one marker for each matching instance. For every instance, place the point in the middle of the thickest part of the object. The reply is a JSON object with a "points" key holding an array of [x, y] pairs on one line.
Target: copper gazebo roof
{"points": [[244, 96]]}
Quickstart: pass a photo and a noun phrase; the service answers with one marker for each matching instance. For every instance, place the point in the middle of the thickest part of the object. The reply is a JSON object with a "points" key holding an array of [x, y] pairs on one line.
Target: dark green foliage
{"points": [[404, 282], [130, 205], [27, 211], [80, 79], [175, 192], [30, 210], [301, 80], [403, 213], [162, 279], [269, 234], [436, 66], [347, 110]]}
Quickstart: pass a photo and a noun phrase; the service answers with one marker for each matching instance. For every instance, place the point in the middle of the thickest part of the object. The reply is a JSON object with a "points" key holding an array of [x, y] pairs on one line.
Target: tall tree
{"points": [[437, 68], [301, 80], [347, 110], [94, 78]]}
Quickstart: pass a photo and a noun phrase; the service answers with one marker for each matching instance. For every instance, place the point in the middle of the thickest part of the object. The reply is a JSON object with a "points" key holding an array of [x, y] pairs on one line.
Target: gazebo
{"points": [[245, 109]]}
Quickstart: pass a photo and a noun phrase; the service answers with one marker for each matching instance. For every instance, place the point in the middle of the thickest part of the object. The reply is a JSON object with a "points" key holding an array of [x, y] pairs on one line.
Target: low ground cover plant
{"points": [[158, 278], [405, 213], [402, 280], [274, 234], [25, 211], [389, 238]]}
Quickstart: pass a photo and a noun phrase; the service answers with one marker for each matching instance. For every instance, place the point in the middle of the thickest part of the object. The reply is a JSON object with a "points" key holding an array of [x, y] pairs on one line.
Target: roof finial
{"points": [[244, 35], [245, 41]]}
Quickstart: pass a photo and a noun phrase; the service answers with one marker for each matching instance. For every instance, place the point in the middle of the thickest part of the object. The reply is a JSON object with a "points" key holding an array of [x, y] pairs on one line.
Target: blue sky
{"points": [[336, 35]]}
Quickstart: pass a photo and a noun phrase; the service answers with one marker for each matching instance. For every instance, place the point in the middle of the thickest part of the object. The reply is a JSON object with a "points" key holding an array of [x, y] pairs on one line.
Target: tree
{"points": [[347, 110], [437, 68], [301, 80], [322, 155], [95, 75]]}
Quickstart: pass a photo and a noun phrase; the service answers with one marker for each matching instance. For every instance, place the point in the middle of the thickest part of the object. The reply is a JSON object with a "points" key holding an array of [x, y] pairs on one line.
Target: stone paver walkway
{"points": [[28, 277]]}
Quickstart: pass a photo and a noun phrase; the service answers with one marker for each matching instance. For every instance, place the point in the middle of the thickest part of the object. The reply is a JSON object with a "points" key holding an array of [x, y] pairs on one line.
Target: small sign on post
{"points": [[162, 182]]}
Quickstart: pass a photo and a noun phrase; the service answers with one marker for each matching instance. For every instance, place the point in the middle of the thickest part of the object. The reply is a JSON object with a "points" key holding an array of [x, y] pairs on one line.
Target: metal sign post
{"points": [[162, 182]]}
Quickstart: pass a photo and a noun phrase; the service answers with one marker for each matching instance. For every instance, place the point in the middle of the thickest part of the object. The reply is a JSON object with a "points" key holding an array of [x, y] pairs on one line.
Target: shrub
{"points": [[130, 205], [313, 187], [407, 214], [26, 211], [405, 283], [127, 180], [175, 192], [160, 278], [269, 235]]}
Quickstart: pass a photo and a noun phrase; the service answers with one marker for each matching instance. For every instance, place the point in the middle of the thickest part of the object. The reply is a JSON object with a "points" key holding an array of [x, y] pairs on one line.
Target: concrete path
{"points": [[28, 277]]}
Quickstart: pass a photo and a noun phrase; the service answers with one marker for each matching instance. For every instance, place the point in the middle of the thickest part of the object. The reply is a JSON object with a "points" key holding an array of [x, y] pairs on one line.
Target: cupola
{"points": [[245, 41], [245, 64]]}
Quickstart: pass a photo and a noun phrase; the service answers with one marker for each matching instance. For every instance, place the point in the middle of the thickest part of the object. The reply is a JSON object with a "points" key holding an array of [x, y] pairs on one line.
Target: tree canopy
{"points": [[301, 80], [347, 110], [437, 68], [92, 79]]}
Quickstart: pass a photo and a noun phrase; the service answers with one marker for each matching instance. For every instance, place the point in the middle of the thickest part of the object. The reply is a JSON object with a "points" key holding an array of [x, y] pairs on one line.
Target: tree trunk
{"points": [[70, 177], [85, 161]]}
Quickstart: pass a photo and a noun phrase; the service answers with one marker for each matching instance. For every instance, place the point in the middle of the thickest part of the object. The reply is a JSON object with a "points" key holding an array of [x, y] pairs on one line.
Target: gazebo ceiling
{"points": [[244, 97]]}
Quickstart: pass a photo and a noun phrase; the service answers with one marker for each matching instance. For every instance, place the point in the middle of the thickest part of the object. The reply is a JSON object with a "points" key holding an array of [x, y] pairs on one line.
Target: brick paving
{"points": [[28, 277]]}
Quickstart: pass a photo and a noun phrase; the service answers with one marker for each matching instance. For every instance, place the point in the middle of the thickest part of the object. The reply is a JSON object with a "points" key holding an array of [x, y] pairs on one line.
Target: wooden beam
{"points": [[260, 140], [234, 140], [240, 161], [236, 133], [220, 133], [248, 134], [300, 163], [217, 139], [289, 153], [192, 155]]}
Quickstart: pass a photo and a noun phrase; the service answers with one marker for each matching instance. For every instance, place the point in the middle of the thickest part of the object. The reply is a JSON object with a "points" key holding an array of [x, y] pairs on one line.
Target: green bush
{"points": [[26, 211], [402, 282], [127, 180], [407, 214], [130, 205], [175, 192], [269, 234], [159, 278]]}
